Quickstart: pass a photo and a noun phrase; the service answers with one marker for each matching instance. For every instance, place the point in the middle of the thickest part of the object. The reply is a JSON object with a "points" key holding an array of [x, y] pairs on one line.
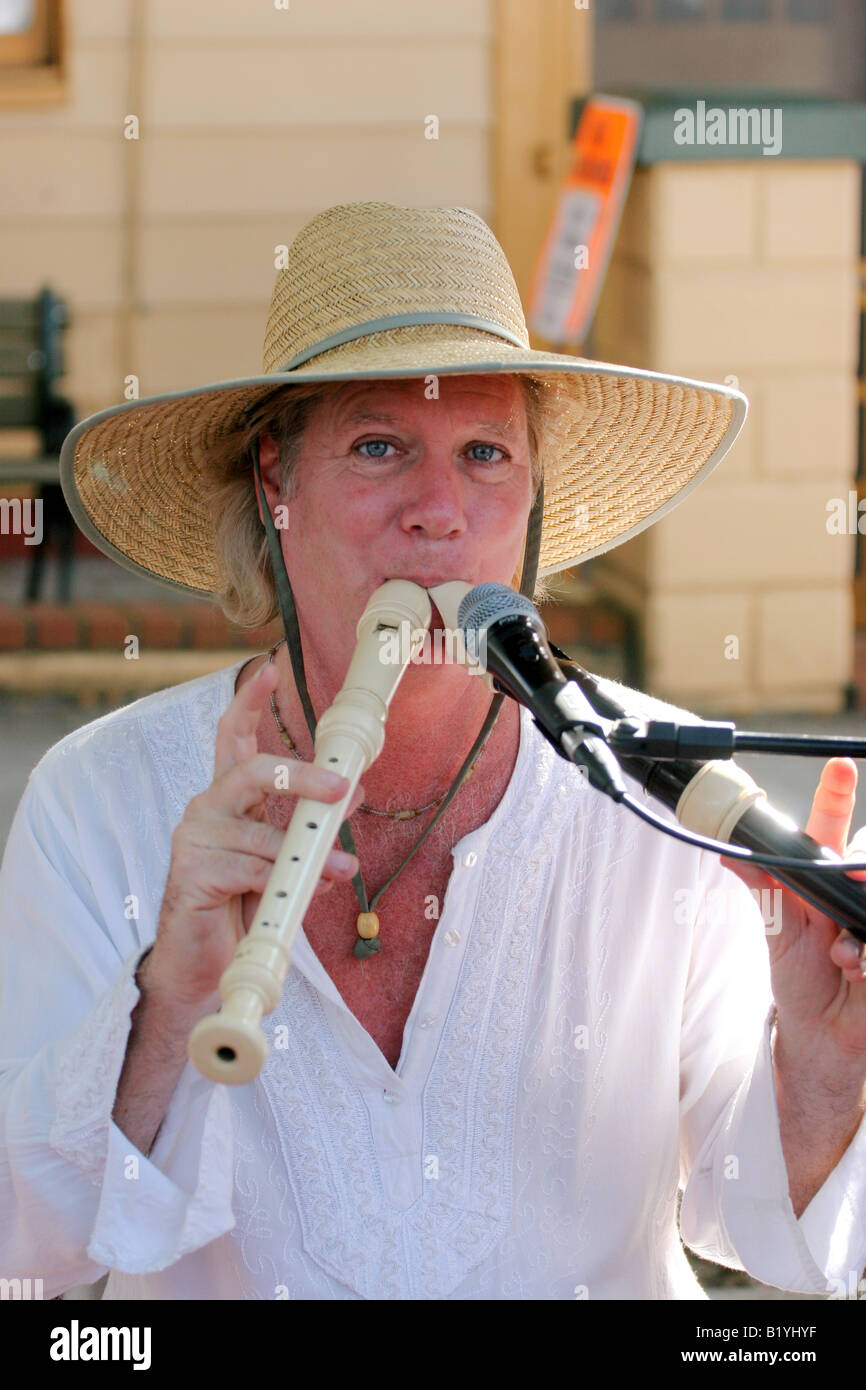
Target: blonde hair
{"points": [[247, 593]]}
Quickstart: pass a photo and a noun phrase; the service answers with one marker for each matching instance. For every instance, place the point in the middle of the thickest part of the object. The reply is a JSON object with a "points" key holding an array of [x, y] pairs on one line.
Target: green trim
{"points": [[812, 127], [362, 330]]}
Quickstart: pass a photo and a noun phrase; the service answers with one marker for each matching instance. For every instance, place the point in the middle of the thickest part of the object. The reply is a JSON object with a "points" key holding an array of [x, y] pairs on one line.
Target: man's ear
{"points": [[269, 466], [269, 458]]}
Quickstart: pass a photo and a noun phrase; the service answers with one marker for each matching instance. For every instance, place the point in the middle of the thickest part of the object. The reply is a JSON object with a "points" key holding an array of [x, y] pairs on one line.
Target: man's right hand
{"points": [[223, 851]]}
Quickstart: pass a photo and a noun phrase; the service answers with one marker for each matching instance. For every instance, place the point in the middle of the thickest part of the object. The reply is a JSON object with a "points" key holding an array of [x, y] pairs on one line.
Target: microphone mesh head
{"points": [[486, 604]]}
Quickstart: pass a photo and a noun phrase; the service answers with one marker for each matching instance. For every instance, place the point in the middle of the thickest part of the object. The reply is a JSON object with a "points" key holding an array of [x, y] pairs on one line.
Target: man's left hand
{"points": [[819, 986], [818, 970]]}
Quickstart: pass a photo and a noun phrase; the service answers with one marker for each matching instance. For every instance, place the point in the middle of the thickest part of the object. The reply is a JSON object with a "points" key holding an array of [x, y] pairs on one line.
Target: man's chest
{"points": [[381, 990]]}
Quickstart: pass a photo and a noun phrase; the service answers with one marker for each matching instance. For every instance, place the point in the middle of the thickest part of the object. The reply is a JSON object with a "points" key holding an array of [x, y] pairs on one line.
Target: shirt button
{"points": [[452, 937], [427, 1021], [390, 1098], [470, 859]]}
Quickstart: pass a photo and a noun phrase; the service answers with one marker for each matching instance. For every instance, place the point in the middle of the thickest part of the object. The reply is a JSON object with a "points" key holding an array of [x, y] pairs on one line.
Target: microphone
{"points": [[504, 634], [721, 799]]}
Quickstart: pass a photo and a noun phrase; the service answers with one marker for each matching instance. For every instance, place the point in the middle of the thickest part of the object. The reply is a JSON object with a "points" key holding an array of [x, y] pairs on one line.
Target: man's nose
{"points": [[436, 503]]}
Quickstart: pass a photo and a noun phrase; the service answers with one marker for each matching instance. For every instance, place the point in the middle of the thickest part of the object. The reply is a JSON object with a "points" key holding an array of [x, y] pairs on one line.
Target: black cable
{"points": [[632, 766], [690, 837]]}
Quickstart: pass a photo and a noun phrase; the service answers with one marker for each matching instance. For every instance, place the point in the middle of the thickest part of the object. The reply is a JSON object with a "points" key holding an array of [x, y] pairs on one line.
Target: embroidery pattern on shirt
{"points": [[562, 1063], [86, 1079], [469, 1101]]}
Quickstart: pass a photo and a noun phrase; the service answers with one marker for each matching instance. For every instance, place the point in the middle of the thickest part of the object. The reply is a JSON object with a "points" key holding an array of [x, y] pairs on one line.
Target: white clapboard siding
{"points": [[186, 347], [322, 19], [235, 85], [94, 377], [300, 172], [97, 19], [252, 119], [80, 258], [48, 178]]}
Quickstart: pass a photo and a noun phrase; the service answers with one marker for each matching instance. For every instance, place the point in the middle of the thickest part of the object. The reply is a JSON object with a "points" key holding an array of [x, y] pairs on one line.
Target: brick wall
{"points": [[92, 626]]}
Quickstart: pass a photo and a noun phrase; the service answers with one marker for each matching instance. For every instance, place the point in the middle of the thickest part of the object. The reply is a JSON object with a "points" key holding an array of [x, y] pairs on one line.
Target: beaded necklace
{"points": [[367, 924]]}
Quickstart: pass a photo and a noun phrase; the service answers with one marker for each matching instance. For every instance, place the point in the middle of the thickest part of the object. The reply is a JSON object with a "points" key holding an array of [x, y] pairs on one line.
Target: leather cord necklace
{"points": [[367, 924], [287, 739]]}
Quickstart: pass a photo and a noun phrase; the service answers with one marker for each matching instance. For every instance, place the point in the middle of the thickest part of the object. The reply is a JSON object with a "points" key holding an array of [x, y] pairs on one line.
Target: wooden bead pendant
{"points": [[368, 925], [368, 943]]}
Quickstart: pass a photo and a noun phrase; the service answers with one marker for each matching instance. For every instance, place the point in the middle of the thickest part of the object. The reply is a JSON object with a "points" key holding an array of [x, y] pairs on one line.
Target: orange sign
{"points": [[570, 269]]}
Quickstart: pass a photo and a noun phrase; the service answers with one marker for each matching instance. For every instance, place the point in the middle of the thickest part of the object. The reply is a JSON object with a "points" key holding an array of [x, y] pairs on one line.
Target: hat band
{"points": [[361, 330]]}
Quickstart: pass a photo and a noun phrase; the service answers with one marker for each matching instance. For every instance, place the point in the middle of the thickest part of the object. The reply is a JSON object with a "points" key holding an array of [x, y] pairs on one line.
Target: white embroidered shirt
{"points": [[587, 1036]]}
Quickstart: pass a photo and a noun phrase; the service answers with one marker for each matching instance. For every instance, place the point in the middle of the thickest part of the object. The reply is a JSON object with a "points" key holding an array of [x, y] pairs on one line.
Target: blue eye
{"points": [[374, 442], [378, 450], [487, 446]]}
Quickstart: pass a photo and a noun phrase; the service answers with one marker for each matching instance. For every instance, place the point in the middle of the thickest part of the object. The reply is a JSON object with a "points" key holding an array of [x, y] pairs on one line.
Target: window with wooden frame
{"points": [[32, 66]]}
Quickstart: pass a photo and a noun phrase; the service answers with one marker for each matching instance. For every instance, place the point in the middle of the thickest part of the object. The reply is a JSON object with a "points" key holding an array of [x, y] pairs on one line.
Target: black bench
{"points": [[31, 362]]}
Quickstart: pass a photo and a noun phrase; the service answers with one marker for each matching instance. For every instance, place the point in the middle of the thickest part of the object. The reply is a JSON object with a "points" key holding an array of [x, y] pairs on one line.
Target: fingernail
{"points": [[334, 780]]}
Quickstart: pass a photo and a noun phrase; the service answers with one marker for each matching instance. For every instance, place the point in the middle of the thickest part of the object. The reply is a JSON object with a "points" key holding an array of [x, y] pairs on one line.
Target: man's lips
{"points": [[425, 582]]}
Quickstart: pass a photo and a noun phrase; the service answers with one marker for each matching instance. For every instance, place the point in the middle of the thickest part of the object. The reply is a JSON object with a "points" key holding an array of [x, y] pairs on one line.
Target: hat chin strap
{"points": [[286, 601]]}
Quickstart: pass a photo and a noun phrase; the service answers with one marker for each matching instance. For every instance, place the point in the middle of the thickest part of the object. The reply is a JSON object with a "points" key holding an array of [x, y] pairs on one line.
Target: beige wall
{"points": [[746, 272], [252, 120]]}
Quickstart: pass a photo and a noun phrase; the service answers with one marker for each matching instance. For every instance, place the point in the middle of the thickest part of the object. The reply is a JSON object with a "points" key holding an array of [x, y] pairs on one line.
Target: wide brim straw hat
{"points": [[373, 291]]}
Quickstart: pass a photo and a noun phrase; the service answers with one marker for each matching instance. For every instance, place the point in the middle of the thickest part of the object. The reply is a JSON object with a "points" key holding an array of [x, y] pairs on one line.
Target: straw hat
{"points": [[373, 290]]}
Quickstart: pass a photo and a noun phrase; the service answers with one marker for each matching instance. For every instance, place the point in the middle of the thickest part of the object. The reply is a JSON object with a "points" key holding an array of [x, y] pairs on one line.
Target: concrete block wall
{"points": [[746, 273]]}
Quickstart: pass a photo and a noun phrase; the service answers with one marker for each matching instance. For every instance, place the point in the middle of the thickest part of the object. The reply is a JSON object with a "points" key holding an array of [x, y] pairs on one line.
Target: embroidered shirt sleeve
{"points": [[71, 1206], [736, 1209]]}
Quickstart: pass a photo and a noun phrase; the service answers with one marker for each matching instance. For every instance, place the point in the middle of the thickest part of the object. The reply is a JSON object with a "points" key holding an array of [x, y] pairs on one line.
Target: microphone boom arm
{"points": [[758, 827]]}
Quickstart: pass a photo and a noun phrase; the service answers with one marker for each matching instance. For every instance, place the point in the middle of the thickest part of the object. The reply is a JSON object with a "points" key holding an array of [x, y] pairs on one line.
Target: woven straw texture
{"points": [[619, 446]]}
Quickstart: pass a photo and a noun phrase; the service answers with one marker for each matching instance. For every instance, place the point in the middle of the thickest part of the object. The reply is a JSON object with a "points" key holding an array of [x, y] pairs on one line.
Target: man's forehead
{"points": [[491, 400]]}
